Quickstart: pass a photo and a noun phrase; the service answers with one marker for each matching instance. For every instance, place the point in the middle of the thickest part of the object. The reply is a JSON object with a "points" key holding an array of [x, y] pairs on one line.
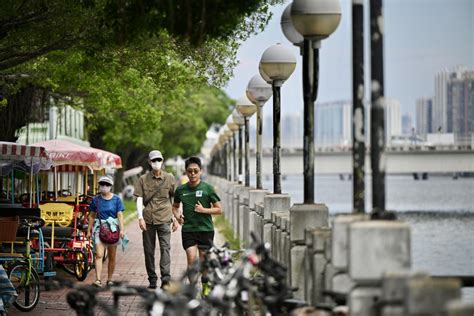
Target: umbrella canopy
{"points": [[64, 152], [28, 158]]}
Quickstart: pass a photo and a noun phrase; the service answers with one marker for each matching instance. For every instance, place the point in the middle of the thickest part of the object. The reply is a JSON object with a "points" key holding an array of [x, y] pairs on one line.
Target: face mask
{"points": [[156, 165], [104, 189]]}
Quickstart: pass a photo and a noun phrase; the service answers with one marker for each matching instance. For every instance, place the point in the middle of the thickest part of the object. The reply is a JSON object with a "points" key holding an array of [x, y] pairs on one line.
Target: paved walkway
{"points": [[130, 268]]}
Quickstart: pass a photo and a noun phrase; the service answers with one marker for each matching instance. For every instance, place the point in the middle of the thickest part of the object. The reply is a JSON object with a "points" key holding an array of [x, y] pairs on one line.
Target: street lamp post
{"points": [[233, 127], [377, 126], [358, 113], [247, 109], [277, 64], [239, 120], [222, 153], [228, 135], [312, 21], [259, 91]]}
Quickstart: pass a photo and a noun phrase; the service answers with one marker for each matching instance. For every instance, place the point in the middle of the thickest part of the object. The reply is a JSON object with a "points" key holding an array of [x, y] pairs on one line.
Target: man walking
{"points": [[200, 201], [154, 191]]}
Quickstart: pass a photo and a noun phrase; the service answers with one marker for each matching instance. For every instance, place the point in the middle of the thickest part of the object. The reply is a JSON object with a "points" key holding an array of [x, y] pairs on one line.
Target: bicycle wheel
{"points": [[27, 288], [81, 264]]}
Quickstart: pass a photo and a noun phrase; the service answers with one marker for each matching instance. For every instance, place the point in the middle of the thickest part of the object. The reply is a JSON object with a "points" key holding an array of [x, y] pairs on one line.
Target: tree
{"points": [[142, 78], [32, 28]]}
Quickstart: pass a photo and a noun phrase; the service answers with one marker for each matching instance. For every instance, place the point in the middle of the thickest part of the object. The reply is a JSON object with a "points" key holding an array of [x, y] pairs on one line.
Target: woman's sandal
{"points": [[97, 283], [110, 283]]}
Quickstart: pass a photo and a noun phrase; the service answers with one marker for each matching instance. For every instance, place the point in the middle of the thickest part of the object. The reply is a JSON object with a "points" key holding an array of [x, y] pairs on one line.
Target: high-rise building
{"points": [[393, 119], [440, 101], [424, 116], [407, 124], [267, 132], [292, 131], [333, 123], [460, 105]]}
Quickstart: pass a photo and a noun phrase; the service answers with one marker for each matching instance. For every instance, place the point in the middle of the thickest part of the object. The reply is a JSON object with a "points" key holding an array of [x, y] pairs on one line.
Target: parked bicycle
{"points": [[20, 269]]}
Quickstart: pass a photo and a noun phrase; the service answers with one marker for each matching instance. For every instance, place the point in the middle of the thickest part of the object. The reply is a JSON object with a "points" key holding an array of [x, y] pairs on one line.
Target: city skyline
{"points": [[413, 53]]}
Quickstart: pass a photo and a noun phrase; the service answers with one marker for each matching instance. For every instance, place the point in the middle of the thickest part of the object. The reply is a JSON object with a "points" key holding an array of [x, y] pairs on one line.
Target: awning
{"points": [[63, 152], [29, 158]]}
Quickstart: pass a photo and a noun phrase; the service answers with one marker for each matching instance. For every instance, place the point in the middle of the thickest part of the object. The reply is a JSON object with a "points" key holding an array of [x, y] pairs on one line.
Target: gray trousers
{"points": [[149, 244]]}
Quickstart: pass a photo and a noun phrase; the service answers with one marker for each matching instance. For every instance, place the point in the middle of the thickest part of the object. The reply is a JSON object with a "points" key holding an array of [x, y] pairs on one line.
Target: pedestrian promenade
{"points": [[130, 268]]}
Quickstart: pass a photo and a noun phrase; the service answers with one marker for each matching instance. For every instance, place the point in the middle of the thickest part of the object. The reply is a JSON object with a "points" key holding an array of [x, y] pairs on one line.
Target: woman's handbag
{"points": [[106, 235]]}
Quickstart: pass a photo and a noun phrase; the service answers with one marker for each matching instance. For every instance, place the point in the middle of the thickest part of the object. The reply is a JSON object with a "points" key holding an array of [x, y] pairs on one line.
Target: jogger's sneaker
{"points": [[206, 289]]}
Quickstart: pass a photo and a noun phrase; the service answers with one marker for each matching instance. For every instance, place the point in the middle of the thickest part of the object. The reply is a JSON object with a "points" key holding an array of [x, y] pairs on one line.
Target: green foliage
{"points": [[145, 72], [225, 229], [32, 28], [135, 95]]}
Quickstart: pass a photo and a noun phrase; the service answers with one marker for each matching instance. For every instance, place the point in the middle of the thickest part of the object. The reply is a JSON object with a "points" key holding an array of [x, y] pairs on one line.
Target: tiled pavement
{"points": [[130, 268]]}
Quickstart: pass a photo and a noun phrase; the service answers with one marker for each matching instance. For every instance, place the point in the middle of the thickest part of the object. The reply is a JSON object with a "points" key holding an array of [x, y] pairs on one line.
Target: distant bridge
{"points": [[398, 160]]}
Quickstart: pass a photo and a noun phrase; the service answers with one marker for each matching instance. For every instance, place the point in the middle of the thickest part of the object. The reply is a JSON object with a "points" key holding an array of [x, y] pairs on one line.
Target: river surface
{"points": [[440, 211]]}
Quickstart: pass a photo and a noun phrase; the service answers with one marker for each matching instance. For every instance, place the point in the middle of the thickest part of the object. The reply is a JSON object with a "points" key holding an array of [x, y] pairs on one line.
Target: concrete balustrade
{"points": [[229, 200], [367, 260], [321, 240], [362, 301], [394, 288], [340, 239], [236, 208], [304, 216], [297, 268], [255, 198], [460, 308], [244, 214], [260, 222], [275, 233], [377, 247], [273, 203], [278, 233], [308, 265], [430, 296], [283, 224]]}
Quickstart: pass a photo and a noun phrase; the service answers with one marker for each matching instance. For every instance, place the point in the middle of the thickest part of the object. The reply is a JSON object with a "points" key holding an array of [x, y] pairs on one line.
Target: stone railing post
{"points": [[376, 247], [302, 217], [273, 203], [255, 198]]}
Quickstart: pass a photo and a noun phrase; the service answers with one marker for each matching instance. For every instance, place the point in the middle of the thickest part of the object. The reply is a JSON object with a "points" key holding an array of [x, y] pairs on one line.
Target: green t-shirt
{"points": [[205, 194]]}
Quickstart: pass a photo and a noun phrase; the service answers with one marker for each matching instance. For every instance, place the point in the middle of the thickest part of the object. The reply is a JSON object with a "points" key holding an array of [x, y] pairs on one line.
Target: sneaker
{"points": [[165, 285], [97, 283], [206, 289], [152, 286]]}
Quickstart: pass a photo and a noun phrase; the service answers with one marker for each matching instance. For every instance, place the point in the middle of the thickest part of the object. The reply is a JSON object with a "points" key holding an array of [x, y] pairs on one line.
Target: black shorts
{"points": [[203, 240]]}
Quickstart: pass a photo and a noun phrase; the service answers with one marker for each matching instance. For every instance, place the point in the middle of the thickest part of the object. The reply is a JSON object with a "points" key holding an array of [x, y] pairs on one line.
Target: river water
{"points": [[440, 211]]}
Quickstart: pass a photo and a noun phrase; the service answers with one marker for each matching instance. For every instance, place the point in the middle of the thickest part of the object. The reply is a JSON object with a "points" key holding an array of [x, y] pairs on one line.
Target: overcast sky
{"points": [[421, 38]]}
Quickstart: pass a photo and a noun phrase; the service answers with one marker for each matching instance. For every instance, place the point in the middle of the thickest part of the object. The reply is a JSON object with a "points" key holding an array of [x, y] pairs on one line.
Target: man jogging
{"points": [[200, 201]]}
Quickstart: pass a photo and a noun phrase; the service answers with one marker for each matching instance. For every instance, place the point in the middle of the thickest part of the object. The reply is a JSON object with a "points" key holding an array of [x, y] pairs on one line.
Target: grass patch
{"points": [[130, 208], [225, 229]]}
